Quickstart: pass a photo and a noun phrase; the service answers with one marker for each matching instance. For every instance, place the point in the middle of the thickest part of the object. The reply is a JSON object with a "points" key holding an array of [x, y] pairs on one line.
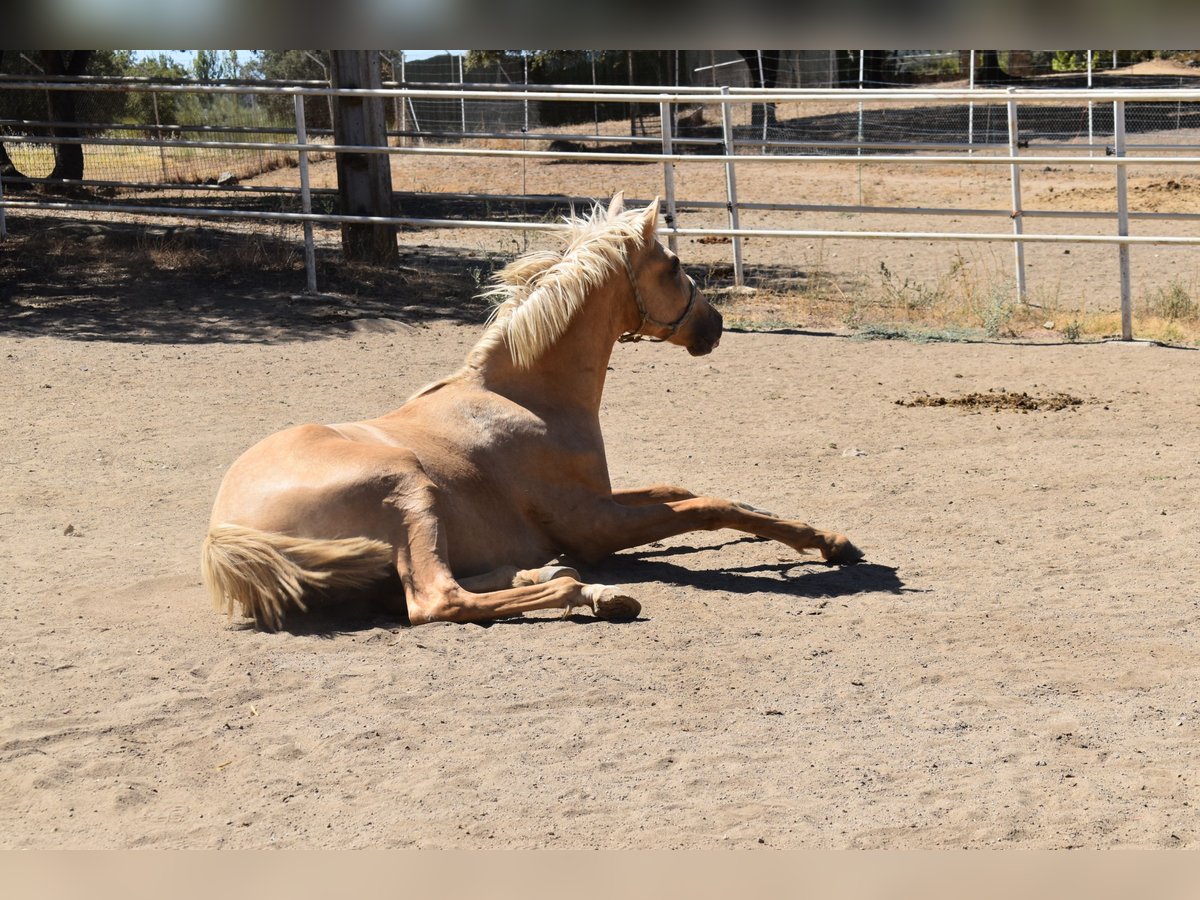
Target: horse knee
{"points": [[445, 605]]}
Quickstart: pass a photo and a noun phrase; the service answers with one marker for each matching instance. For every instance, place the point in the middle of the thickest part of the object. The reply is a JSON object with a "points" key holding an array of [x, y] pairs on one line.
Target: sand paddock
{"points": [[1015, 664]]}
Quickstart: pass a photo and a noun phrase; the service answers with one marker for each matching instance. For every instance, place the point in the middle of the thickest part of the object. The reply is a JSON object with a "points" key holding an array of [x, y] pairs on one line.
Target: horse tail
{"points": [[267, 574]]}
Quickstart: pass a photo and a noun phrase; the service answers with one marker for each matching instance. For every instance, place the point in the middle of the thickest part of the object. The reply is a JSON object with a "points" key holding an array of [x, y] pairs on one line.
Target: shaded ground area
{"points": [[193, 284]]}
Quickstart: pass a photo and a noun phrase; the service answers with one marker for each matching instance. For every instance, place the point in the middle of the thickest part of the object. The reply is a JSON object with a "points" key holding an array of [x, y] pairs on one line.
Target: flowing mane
{"points": [[538, 294]]}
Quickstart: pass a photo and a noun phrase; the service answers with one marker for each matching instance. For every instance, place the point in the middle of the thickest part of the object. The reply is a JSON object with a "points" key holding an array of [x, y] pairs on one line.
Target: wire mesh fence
{"points": [[159, 122], [551, 147], [170, 121]]}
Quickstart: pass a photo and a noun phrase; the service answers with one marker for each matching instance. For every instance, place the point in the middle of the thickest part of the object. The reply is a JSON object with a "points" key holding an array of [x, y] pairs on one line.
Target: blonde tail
{"points": [[267, 573]]}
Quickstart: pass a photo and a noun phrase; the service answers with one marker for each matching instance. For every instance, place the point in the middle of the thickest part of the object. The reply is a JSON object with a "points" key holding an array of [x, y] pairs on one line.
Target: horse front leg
{"points": [[511, 577], [618, 526], [657, 493]]}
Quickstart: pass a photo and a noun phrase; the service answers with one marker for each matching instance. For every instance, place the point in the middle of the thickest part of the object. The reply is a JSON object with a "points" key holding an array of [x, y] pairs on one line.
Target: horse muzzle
{"points": [[706, 332]]}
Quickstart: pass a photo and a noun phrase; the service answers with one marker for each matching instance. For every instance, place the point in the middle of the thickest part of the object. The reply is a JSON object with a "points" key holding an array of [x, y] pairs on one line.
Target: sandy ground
{"points": [[1015, 664]]}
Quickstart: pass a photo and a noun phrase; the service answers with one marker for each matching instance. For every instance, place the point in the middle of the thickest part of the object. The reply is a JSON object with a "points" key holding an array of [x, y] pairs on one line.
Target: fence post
{"points": [[525, 87], [1122, 221], [162, 154], [971, 108], [462, 81], [595, 105], [310, 257], [364, 179], [762, 81], [669, 174], [1018, 225], [1091, 138], [862, 62], [731, 188], [405, 102], [3, 224]]}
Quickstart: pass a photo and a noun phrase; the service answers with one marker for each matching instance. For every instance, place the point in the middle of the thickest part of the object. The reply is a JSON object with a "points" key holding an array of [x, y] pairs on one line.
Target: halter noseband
{"points": [[672, 327]]}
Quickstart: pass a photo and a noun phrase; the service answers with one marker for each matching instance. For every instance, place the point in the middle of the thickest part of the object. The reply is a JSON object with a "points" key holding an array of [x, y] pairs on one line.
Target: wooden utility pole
{"points": [[364, 179]]}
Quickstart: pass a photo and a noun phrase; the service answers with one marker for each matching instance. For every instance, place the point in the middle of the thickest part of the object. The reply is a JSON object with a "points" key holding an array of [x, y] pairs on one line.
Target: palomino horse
{"points": [[471, 487]]}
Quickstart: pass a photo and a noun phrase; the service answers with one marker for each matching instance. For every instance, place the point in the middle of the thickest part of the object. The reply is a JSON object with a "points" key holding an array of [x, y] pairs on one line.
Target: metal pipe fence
{"points": [[968, 153]]}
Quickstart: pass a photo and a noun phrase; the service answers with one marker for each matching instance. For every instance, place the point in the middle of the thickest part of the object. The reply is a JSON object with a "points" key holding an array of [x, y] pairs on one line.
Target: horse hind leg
{"points": [[433, 594]]}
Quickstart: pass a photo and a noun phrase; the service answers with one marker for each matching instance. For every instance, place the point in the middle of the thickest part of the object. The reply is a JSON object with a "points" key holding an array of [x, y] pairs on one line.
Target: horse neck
{"points": [[571, 373]]}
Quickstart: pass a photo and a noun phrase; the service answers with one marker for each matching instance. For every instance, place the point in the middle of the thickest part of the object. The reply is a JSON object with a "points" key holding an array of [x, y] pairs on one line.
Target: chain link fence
{"points": [[174, 120], [862, 181], [105, 122]]}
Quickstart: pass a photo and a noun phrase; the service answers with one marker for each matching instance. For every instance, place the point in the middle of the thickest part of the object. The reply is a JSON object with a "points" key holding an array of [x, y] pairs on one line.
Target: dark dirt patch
{"points": [[999, 400], [190, 284]]}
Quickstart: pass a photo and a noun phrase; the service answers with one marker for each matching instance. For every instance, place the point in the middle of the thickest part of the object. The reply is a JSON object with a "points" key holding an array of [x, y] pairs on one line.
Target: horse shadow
{"points": [[808, 578]]}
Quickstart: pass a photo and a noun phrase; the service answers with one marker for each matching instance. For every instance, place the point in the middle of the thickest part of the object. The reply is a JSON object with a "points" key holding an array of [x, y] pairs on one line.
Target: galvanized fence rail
{"points": [[667, 153]]}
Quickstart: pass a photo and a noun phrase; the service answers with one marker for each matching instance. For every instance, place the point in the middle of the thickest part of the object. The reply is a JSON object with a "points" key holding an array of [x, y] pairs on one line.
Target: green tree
{"points": [[295, 65], [172, 108], [74, 109]]}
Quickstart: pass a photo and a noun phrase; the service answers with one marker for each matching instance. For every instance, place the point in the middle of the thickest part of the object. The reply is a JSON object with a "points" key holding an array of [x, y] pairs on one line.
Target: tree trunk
{"points": [[68, 158], [8, 168], [989, 72], [767, 78], [364, 179], [875, 68]]}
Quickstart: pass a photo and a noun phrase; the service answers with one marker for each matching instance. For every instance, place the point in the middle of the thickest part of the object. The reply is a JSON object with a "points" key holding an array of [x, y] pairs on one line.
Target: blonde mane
{"points": [[538, 294]]}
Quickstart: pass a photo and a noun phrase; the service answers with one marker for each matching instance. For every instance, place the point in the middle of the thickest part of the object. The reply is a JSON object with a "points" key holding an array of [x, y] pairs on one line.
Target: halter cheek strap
{"points": [[672, 327]]}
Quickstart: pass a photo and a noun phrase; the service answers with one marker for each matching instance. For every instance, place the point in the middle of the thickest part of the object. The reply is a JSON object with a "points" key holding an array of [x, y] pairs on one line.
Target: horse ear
{"points": [[650, 221], [617, 205]]}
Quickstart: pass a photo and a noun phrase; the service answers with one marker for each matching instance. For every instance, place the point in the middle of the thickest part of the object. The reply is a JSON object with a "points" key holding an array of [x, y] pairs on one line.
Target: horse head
{"points": [[665, 303]]}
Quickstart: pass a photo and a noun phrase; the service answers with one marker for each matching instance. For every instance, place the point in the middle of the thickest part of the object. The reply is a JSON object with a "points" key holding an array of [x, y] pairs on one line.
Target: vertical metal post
{"points": [[632, 107], [1089, 84], [162, 154], [861, 71], [1122, 222], [310, 259], [1015, 169], [404, 102], [971, 108], [396, 102], [595, 106], [731, 187], [462, 100], [762, 82], [669, 174], [525, 140], [3, 224], [862, 61]]}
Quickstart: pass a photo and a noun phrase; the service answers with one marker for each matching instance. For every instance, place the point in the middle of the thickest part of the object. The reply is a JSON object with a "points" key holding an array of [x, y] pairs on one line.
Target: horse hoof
{"points": [[543, 575], [843, 553], [612, 605]]}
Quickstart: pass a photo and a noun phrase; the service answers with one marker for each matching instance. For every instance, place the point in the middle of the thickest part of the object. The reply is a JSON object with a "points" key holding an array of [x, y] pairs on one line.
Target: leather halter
{"points": [[672, 327]]}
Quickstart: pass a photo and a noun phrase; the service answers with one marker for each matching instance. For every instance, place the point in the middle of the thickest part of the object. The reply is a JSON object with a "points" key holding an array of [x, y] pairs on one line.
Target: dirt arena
{"points": [[1014, 665]]}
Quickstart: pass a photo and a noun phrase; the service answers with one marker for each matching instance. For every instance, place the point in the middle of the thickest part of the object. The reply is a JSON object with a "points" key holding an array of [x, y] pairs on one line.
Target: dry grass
{"points": [[149, 164], [973, 298]]}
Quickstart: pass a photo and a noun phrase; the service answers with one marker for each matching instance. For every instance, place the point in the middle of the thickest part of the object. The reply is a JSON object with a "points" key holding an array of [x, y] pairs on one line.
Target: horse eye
{"points": [[675, 265]]}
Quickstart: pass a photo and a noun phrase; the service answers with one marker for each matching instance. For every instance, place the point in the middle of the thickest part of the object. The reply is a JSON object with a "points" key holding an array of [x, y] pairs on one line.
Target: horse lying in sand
{"points": [[479, 480]]}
